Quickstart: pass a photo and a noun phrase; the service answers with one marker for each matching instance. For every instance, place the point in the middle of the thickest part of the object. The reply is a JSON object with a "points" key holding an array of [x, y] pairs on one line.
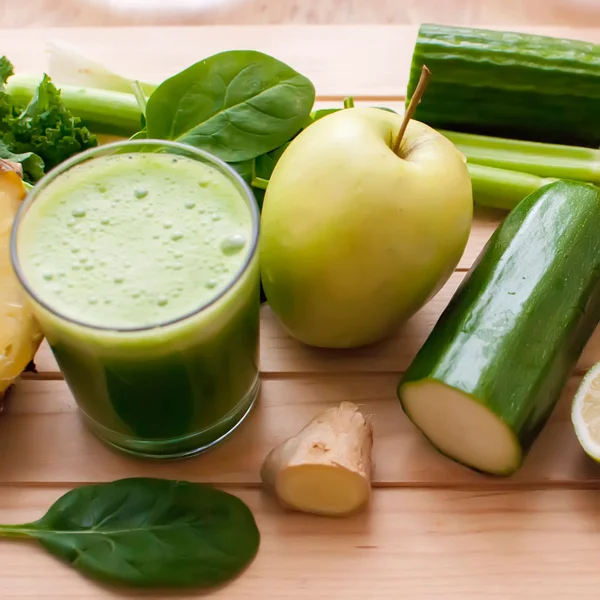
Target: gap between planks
{"points": [[489, 485]]}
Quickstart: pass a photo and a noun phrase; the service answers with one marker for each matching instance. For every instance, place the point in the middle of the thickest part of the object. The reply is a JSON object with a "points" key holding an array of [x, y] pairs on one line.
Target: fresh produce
{"points": [[501, 188], [356, 237], [535, 158], [242, 106], [511, 85], [236, 105], [102, 111], [70, 66], [148, 533], [486, 380], [585, 413], [20, 335], [41, 133], [325, 468]]}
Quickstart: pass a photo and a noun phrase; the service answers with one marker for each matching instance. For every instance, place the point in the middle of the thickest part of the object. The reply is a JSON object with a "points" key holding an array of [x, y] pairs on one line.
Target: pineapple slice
{"points": [[20, 335]]}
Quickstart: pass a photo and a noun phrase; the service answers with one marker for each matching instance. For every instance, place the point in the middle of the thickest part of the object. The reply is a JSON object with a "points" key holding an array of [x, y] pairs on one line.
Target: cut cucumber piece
{"points": [[436, 406], [511, 85], [486, 380]]}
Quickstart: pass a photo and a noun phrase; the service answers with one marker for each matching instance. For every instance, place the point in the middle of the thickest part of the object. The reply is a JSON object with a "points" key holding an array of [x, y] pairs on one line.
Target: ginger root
{"points": [[326, 468]]}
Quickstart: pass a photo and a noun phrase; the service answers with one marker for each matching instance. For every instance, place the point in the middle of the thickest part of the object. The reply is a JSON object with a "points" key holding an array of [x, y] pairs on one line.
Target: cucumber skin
{"points": [[510, 85], [519, 321]]}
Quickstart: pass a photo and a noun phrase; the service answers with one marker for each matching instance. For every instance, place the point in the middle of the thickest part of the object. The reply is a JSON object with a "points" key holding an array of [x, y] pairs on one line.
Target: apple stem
{"points": [[349, 102], [412, 107]]}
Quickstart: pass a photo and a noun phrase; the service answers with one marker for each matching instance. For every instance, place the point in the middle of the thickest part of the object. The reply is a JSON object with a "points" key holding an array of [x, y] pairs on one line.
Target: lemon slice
{"points": [[585, 413]]}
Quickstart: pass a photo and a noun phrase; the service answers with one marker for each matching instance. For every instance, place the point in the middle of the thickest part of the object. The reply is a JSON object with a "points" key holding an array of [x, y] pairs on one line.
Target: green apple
{"points": [[356, 238]]}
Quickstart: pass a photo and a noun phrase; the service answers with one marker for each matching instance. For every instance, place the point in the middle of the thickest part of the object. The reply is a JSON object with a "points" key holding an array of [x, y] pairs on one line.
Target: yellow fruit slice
{"points": [[20, 335], [585, 413]]}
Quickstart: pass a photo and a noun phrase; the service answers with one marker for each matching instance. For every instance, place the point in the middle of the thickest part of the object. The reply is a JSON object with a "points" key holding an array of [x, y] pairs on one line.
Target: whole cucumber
{"points": [[511, 85]]}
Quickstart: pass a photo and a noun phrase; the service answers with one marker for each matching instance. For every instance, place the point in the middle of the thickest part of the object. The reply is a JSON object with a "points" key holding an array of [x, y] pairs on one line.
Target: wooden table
{"points": [[434, 529]]}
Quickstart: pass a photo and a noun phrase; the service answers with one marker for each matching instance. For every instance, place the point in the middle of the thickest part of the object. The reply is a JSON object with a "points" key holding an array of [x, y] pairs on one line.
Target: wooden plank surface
{"points": [[415, 544], [45, 410], [434, 529]]}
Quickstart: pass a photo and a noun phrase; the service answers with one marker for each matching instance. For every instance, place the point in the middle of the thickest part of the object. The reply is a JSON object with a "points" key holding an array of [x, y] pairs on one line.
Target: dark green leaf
{"points": [[236, 105], [323, 112], [33, 165], [265, 164], [149, 532]]}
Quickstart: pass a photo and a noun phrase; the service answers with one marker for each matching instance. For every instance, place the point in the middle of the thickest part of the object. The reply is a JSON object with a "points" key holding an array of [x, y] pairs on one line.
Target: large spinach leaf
{"points": [[148, 532], [237, 105]]}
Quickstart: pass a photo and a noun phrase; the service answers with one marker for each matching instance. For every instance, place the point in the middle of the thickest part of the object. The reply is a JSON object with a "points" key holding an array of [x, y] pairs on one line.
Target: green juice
{"points": [[143, 274]]}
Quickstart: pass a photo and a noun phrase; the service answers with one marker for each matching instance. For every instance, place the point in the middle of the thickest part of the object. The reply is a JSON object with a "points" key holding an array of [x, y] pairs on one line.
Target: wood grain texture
{"points": [[416, 544], [45, 410]]}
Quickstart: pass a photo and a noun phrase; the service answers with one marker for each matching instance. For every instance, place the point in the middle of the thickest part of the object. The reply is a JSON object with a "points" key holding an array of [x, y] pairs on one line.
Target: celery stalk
{"points": [[536, 158], [502, 188], [70, 66], [103, 111]]}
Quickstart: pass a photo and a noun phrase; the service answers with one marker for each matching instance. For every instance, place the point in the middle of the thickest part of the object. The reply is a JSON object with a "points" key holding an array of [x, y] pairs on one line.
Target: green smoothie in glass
{"points": [[140, 263]]}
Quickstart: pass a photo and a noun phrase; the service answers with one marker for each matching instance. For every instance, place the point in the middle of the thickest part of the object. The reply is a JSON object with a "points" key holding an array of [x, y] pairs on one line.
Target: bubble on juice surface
{"points": [[118, 279], [140, 193], [211, 283], [167, 224], [190, 204], [177, 235], [232, 244], [48, 275], [93, 300], [105, 220], [162, 300], [79, 212]]}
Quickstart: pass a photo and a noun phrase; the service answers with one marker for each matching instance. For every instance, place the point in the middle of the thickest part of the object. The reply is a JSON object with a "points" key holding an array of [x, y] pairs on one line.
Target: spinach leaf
{"points": [[32, 164], [148, 532], [237, 105], [265, 164]]}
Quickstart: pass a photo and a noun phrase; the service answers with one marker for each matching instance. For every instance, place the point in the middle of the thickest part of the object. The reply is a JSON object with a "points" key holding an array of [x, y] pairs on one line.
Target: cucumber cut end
{"points": [[461, 427]]}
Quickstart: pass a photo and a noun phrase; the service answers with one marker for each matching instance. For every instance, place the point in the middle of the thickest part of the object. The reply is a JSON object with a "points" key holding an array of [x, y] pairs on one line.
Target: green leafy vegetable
{"points": [[148, 532], [47, 128], [236, 105], [6, 69], [31, 163], [100, 110], [42, 134]]}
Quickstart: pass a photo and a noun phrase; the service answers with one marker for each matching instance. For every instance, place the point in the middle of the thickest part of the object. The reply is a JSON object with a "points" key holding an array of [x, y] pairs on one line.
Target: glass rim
{"points": [[57, 171]]}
